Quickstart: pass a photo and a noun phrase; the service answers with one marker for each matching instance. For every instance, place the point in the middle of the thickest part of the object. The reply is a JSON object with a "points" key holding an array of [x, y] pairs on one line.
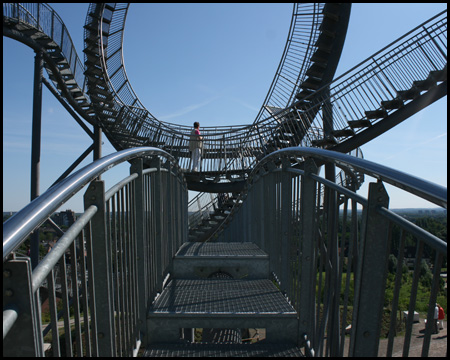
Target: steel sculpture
{"points": [[131, 235], [229, 152]]}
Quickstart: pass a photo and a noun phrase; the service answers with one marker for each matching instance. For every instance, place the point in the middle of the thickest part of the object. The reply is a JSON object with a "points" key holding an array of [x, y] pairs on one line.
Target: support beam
{"points": [[36, 147], [68, 108], [74, 165]]}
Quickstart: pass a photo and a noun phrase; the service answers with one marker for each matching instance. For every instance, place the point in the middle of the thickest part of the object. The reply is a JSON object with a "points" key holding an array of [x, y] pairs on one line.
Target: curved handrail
{"points": [[17, 228], [319, 236], [432, 192]]}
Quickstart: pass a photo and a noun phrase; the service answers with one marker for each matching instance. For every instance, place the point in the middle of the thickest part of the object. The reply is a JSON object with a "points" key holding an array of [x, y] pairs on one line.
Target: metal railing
{"points": [[228, 152], [380, 78], [200, 207], [329, 248], [112, 261], [137, 126], [45, 19]]}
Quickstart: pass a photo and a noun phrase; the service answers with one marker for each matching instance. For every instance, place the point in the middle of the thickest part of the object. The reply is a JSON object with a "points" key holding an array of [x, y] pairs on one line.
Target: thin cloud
{"points": [[416, 146], [247, 105], [188, 109]]}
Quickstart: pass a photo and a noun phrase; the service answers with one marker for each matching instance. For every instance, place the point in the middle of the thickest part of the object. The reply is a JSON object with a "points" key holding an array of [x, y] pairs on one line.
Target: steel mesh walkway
{"points": [[221, 297], [224, 350], [220, 249]]}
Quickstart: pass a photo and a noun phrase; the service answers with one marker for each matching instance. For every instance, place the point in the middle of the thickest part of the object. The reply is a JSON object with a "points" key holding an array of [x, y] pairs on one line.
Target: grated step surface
{"points": [[221, 298], [200, 249], [223, 350]]}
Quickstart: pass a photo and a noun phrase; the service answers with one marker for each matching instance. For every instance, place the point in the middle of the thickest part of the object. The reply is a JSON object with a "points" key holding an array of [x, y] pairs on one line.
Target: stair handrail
{"points": [[427, 190], [377, 53], [309, 235], [429, 31], [22, 223], [39, 16], [202, 203]]}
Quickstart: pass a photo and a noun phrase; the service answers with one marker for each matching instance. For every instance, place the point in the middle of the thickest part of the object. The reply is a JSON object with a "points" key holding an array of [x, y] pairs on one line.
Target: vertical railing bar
{"points": [[398, 280], [319, 339], [335, 277], [134, 255], [86, 317], [125, 283], [53, 313], [352, 247], [75, 298], [121, 267], [92, 299], [125, 276], [431, 321], [357, 279], [122, 238], [341, 270], [412, 300], [66, 310], [111, 222], [151, 229], [132, 276]]}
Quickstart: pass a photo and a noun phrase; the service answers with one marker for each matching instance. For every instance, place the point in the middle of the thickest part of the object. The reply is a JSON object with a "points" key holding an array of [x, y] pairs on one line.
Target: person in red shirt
{"points": [[195, 146], [441, 317]]}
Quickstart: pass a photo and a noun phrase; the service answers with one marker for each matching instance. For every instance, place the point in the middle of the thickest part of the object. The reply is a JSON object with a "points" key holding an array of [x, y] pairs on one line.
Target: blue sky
{"points": [[211, 63]]}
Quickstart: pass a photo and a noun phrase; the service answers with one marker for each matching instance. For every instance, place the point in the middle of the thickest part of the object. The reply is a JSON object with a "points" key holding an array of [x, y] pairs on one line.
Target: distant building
{"points": [[66, 218]]}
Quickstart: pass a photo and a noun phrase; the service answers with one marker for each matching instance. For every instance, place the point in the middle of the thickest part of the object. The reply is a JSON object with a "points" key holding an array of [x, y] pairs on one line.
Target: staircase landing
{"points": [[223, 350], [217, 286], [196, 260]]}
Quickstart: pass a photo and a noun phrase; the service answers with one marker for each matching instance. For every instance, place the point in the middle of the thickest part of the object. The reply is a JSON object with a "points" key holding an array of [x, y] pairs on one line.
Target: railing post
{"points": [[101, 253], [25, 336], [157, 211], [169, 223], [286, 219], [371, 276], [142, 248], [307, 266]]}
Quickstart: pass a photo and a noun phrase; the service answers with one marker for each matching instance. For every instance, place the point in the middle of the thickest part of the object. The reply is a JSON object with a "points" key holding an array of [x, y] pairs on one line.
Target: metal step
{"points": [[222, 303], [396, 103], [223, 350], [326, 141], [343, 132], [311, 83], [425, 84], [409, 94], [439, 75], [376, 114], [359, 123], [198, 260]]}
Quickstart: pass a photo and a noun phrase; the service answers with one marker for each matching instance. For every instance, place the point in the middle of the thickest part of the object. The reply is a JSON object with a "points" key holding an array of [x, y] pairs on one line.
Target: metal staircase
{"points": [[39, 26], [134, 281], [228, 157], [211, 217], [145, 283], [221, 286]]}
